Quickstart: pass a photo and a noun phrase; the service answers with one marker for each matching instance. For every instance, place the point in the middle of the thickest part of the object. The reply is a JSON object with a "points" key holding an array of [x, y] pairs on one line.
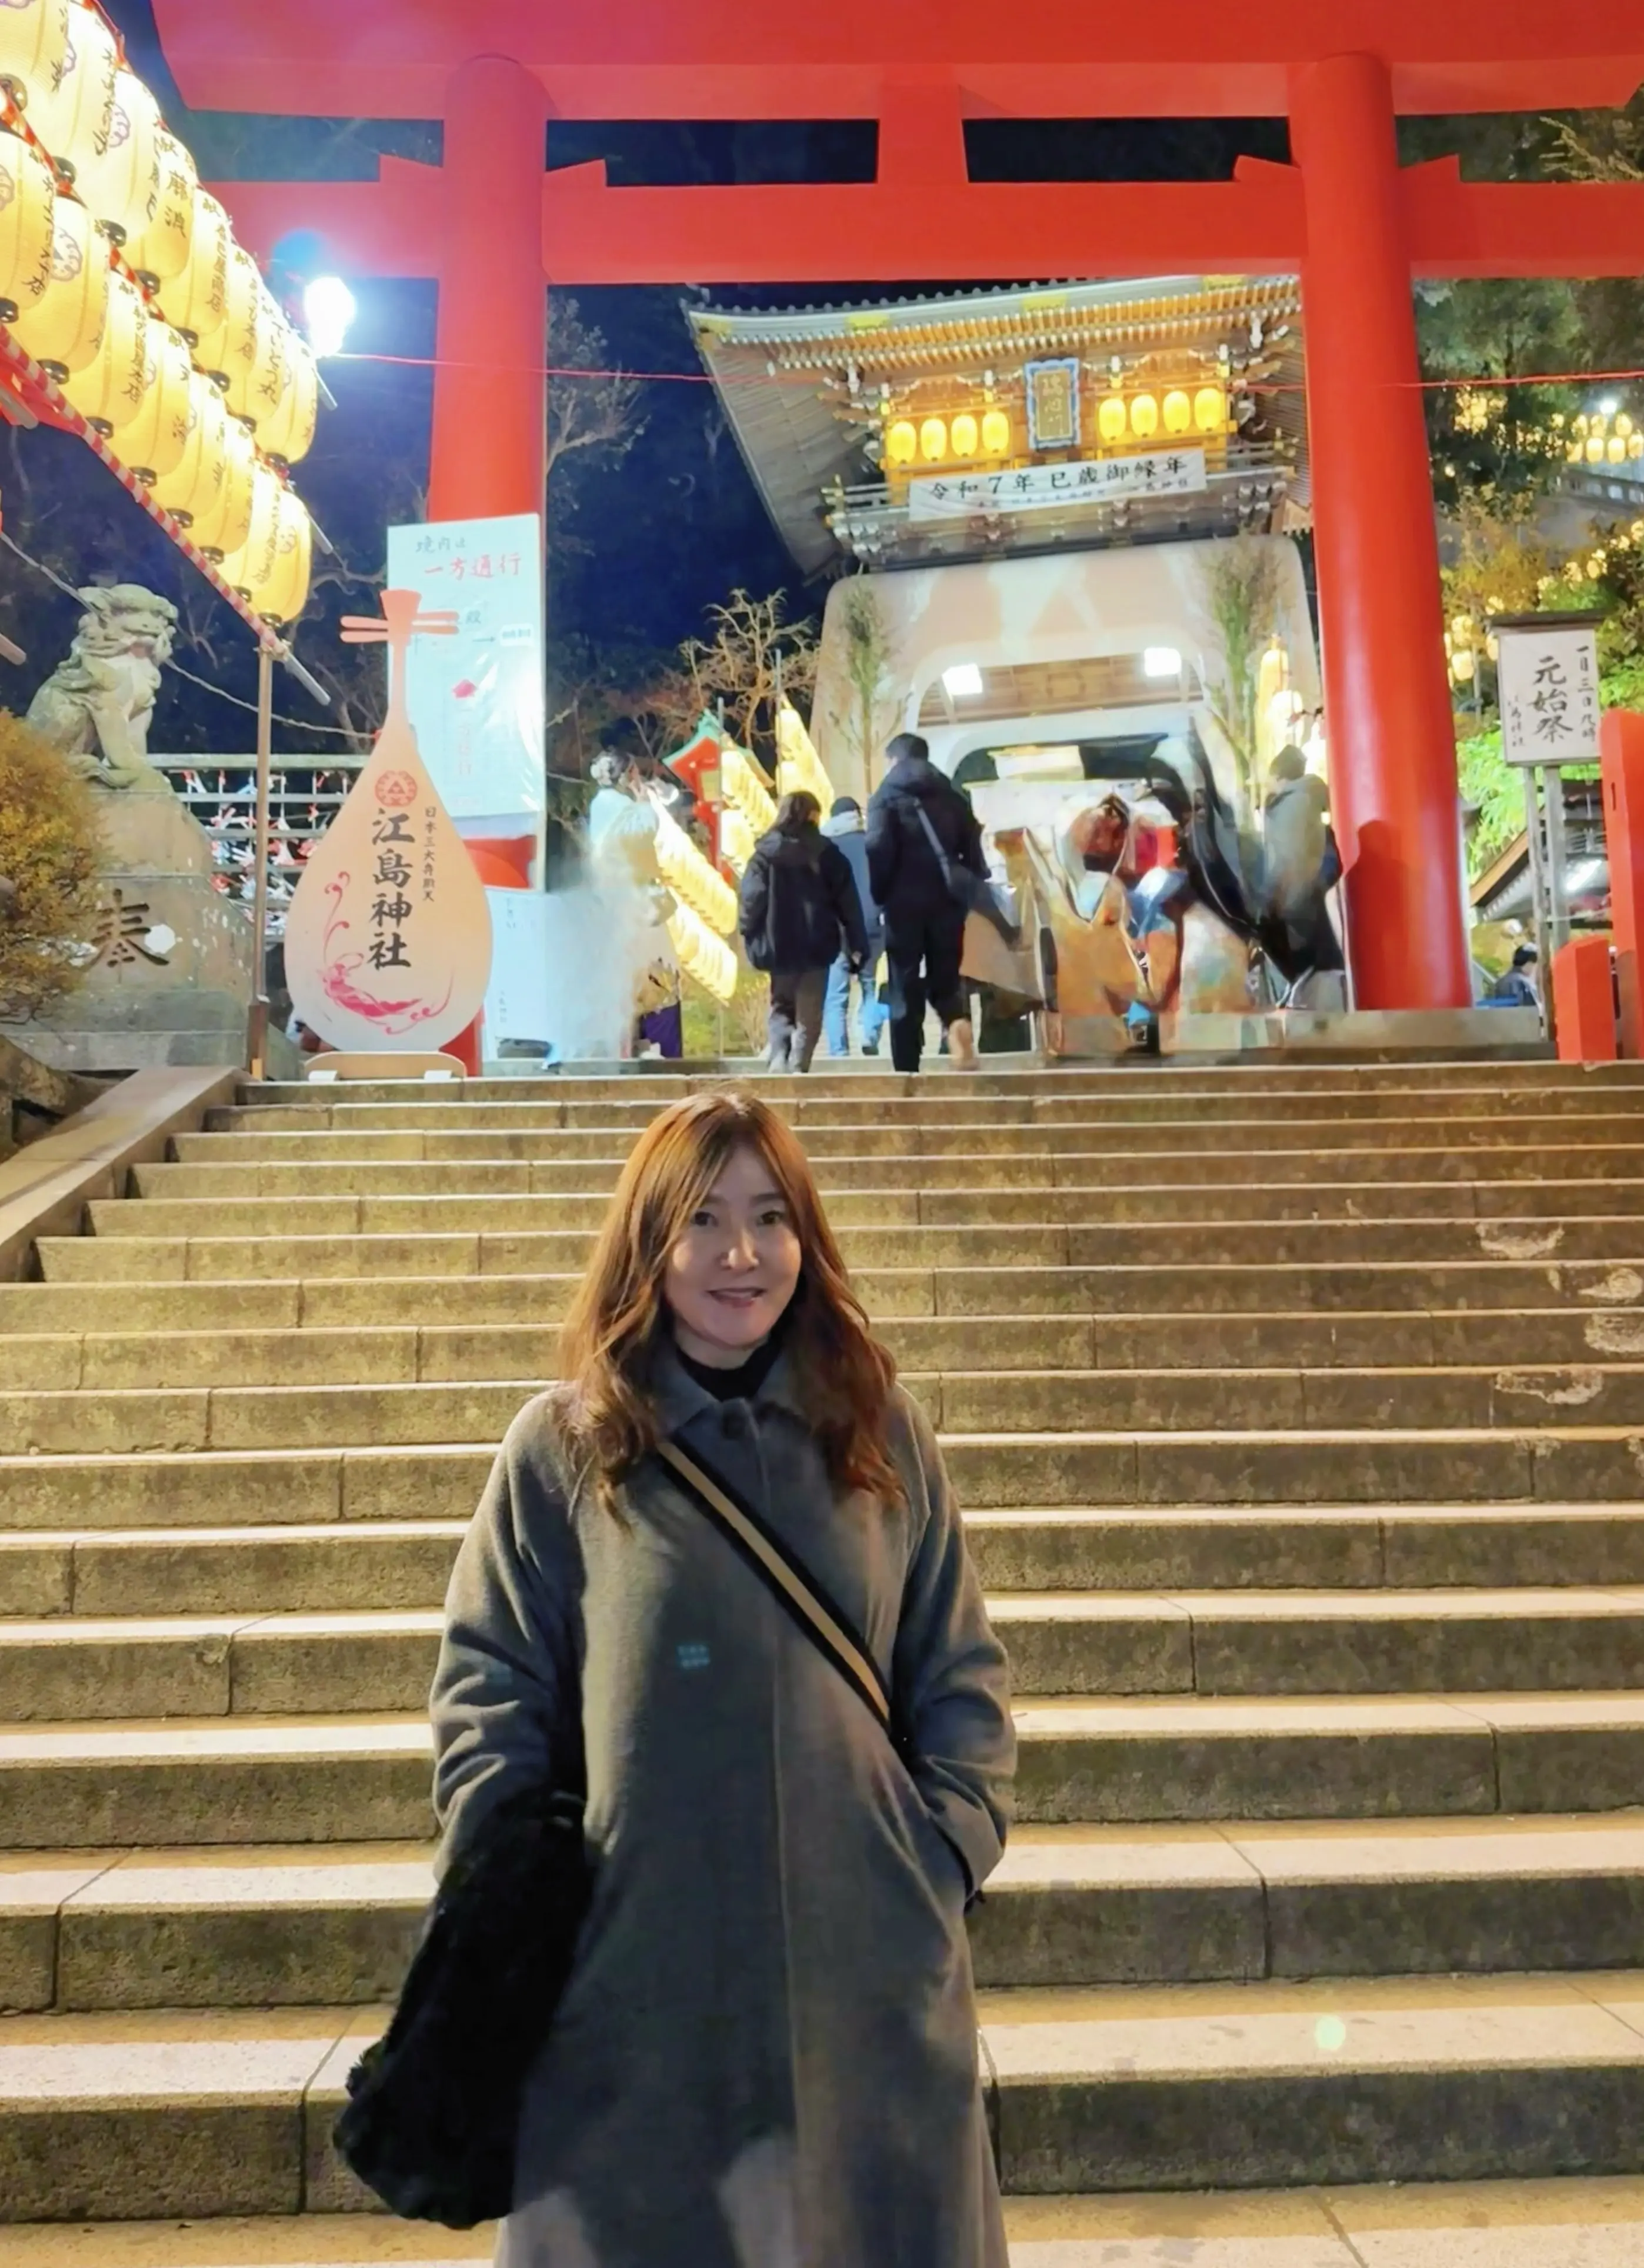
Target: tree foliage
{"points": [[868, 658], [1242, 594], [51, 855]]}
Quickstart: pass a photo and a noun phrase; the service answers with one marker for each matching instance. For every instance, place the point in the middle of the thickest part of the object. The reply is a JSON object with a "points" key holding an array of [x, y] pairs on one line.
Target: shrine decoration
{"points": [[748, 795], [388, 933], [800, 769], [698, 764], [692, 878], [706, 958]]}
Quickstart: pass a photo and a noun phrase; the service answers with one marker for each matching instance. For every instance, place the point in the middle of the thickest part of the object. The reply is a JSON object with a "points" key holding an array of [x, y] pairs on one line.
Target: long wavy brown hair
{"points": [[619, 1316]]}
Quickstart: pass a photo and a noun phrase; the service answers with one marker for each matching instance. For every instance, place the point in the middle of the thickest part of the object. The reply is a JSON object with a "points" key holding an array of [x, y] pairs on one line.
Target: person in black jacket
{"points": [[800, 909], [925, 924]]}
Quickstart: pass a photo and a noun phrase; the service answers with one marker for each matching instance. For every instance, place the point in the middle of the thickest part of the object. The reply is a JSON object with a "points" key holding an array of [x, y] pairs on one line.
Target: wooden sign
{"points": [[388, 936]]}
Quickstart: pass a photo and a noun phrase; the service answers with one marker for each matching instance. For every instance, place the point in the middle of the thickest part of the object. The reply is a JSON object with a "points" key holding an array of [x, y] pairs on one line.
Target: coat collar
{"points": [[678, 1398]]}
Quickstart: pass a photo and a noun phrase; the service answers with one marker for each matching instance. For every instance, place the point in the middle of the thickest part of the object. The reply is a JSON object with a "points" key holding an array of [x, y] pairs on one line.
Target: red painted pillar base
{"points": [[1583, 1001], [1392, 744], [1621, 767]]}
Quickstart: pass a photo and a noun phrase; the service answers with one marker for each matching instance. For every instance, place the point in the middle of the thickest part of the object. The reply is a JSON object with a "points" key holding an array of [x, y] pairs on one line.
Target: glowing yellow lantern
{"points": [[288, 432], [996, 434], [1574, 453], [159, 250], [73, 116], [223, 522], [1210, 410], [1461, 666], [1616, 448], [104, 388], [62, 327], [902, 442], [1596, 449], [250, 565], [736, 838], [1144, 417], [196, 301], [118, 176], [1178, 411], [152, 436], [33, 44], [933, 440], [191, 487], [965, 435], [1579, 424], [240, 356], [1635, 446], [1623, 425], [1112, 419], [28, 198], [282, 596]]}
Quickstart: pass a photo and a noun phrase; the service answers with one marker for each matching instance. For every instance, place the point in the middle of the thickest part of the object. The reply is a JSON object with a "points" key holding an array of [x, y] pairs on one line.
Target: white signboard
{"points": [[1548, 682], [517, 1006], [477, 700], [1045, 488]]}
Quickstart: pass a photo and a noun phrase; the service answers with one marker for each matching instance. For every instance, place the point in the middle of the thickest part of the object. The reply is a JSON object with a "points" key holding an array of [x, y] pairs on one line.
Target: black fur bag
{"points": [[433, 2110]]}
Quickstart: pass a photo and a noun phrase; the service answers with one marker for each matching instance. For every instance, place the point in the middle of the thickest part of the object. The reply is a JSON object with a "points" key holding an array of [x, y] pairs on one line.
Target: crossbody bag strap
{"points": [[944, 856], [791, 1583]]}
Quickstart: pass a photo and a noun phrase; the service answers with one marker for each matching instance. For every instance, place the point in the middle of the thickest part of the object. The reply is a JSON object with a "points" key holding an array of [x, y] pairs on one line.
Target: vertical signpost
{"points": [[1547, 676]]}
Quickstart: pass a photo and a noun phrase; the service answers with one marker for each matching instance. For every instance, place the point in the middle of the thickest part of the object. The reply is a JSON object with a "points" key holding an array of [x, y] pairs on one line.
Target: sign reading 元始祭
{"points": [[1548, 680], [1042, 488]]}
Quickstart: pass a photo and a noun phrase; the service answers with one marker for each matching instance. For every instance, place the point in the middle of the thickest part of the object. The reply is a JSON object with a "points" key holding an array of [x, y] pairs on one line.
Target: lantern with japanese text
{"points": [[73, 116], [288, 431], [117, 177], [152, 430], [191, 487], [159, 250], [61, 326], [248, 563], [28, 198], [34, 45], [236, 355], [195, 300], [222, 524], [99, 390]]}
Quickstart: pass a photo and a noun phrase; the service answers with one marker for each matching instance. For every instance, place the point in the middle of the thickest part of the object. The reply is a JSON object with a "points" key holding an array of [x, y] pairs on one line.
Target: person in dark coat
{"points": [[844, 826], [925, 925], [766, 2055], [800, 911]]}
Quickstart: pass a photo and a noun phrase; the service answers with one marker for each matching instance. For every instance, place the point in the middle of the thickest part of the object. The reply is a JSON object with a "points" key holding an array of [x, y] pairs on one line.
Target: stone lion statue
{"points": [[97, 705]]}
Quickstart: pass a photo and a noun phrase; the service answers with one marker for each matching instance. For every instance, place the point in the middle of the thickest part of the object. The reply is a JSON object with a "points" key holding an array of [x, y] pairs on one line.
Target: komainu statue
{"points": [[97, 705]]}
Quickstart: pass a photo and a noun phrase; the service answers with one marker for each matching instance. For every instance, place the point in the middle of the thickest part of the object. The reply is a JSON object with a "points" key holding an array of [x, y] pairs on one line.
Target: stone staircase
{"points": [[1299, 1418]]}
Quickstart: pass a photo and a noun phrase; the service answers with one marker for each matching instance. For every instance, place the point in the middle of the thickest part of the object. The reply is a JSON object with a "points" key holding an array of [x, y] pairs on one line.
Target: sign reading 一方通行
{"points": [[477, 700], [1548, 688], [1041, 488]]}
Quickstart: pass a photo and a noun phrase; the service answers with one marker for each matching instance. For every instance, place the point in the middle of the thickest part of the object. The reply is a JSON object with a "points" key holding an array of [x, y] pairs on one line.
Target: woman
{"points": [[766, 2055], [800, 910]]}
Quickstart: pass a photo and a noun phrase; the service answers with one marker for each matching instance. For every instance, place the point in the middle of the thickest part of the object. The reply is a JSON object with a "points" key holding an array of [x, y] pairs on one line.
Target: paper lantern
{"points": [[965, 435], [34, 45], [1210, 410], [1112, 419], [154, 433], [996, 434], [283, 593], [28, 198], [222, 524], [1635, 446], [1596, 449], [288, 432], [902, 442], [118, 176], [271, 380], [1178, 411], [112, 380], [62, 327], [74, 114], [191, 488], [238, 354], [1144, 417], [249, 564], [196, 300], [933, 440], [158, 249]]}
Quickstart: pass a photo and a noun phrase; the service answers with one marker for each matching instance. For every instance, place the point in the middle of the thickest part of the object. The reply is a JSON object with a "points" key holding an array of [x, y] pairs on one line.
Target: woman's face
{"points": [[733, 1273]]}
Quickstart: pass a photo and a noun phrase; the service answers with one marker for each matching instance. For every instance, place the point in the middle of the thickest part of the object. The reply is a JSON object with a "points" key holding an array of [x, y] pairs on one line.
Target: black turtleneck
{"points": [[741, 1384]]}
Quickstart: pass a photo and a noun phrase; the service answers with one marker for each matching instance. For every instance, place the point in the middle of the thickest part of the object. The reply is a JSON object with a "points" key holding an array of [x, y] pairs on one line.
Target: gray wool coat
{"points": [[766, 2057]]}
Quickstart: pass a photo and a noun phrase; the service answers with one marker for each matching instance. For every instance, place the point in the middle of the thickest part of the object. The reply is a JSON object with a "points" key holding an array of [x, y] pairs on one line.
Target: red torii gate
{"points": [[495, 229]]}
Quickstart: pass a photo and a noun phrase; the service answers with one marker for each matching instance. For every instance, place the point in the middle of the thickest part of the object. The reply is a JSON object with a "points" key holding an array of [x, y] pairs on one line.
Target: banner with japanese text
{"points": [[1042, 488], [477, 699]]}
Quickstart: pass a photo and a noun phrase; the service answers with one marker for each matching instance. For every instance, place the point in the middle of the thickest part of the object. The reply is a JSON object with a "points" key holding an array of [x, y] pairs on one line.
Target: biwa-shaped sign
{"points": [[388, 939]]}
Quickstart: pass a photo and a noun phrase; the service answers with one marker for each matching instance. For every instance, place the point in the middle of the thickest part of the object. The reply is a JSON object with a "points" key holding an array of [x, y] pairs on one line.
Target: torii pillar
{"points": [[1392, 740], [488, 454]]}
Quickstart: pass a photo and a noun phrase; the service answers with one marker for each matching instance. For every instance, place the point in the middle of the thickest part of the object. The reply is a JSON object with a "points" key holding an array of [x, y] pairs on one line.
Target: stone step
{"points": [[1572, 2221], [1414, 1123], [430, 1163], [407, 1354], [122, 1421], [136, 1257], [191, 2114], [365, 1778], [388, 1209], [1122, 1289], [79, 1669], [442, 1480], [329, 1566], [295, 1924]]}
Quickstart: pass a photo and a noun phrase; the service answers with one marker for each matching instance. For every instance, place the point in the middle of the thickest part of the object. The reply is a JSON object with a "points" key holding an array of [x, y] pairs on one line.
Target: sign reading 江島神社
{"points": [[1547, 677], [1043, 488]]}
